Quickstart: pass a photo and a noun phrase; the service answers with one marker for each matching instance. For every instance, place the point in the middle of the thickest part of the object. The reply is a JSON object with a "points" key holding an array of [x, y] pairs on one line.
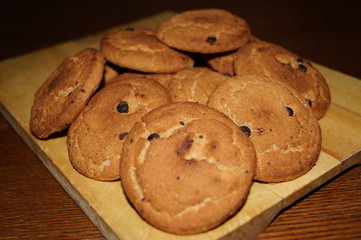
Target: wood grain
{"points": [[23, 225]]}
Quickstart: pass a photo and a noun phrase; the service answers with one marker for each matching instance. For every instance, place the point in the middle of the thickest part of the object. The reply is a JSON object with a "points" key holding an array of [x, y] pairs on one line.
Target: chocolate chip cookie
{"points": [[139, 49], [96, 137], [186, 167], [279, 122], [64, 94], [271, 60], [204, 31]]}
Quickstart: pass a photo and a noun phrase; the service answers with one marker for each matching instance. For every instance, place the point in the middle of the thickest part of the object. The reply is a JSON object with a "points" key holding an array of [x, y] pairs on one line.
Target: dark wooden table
{"points": [[34, 206]]}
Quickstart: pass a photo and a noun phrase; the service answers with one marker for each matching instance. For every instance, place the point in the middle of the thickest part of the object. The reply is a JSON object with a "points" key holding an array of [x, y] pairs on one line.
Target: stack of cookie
{"points": [[187, 116]]}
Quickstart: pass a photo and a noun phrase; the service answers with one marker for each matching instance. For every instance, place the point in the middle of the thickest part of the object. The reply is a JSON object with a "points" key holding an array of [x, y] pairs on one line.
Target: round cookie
{"points": [[279, 122], [194, 85], [96, 137], [204, 31], [140, 50], [64, 94], [186, 168], [270, 60]]}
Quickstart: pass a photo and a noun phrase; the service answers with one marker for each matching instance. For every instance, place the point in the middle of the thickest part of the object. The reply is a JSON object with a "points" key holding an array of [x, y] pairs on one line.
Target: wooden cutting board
{"points": [[104, 202]]}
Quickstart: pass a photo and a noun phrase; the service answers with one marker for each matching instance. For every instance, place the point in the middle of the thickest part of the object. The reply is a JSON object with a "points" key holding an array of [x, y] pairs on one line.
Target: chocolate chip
{"points": [[299, 60], [153, 135], [227, 75], [289, 111], [309, 103], [130, 29], [246, 130], [181, 123], [123, 107], [122, 136], [212, 40], [177, 178], [185, 145], [302, 68]]}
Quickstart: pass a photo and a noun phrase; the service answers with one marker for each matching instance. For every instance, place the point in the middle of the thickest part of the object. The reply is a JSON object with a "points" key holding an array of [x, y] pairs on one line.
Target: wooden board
{"points": [[104, 202]]}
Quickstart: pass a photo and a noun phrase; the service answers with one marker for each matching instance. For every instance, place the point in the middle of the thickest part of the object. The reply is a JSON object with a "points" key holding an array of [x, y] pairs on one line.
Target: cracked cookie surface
{"points": [[162, 78], [186, 167], [64, 94], [194, 85], [279, 122], [140, 50], [266, 59], [204, 31], [96, 137]]}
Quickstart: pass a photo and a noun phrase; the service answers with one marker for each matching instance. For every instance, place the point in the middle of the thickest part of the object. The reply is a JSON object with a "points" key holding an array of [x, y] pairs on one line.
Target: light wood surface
{"points": [[104, 202]]}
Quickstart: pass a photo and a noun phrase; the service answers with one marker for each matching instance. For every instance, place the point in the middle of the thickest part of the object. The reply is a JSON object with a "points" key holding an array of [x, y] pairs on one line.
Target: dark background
{"points": [[309, 28]]}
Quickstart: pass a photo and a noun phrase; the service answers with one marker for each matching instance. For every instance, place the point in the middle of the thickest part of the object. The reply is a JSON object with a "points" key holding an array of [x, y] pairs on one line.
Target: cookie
{"points": [[186, 168], [204, 31], [140, 50], [162, 78], [279, 122], [270, 60], [64, 94], [194, 85], [96, 137]]}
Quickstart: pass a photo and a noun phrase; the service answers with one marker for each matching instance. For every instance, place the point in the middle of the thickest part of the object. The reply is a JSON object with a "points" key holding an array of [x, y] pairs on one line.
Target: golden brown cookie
{"points": [[186, 168], [96, 137], [140, 50], [64, 94], [194, 85], [204, 31], [279, 122], [270, 60]]}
